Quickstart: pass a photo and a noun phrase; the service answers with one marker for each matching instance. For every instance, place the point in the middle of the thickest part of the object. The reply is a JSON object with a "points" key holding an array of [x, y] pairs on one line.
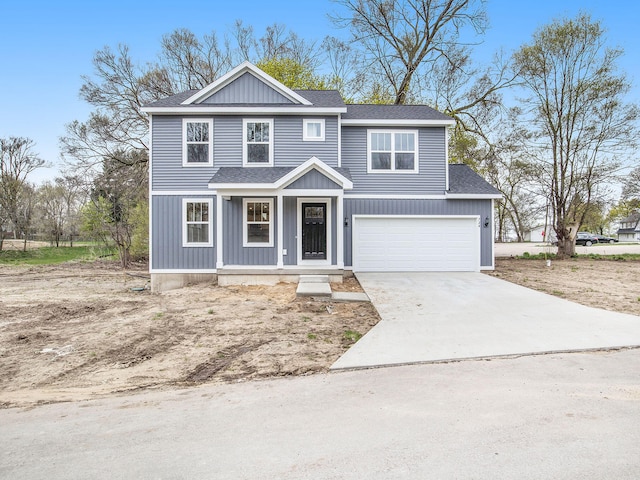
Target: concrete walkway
{"points": [[430, 317]]}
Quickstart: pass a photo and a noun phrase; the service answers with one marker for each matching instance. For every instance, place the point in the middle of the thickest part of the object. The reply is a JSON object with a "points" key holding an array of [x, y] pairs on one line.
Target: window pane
{"points": [[257, 132], [381, 141], [197, 132], [197, 153], [258, 233], [404, 161], [204, 208], [314, 129], [381, 161], [198, 233], [265, 212], [251, 216], [258, 153]]}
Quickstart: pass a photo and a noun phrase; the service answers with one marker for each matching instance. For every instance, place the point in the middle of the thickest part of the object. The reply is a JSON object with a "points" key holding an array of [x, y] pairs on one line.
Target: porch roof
{"points": [[276, 177]]}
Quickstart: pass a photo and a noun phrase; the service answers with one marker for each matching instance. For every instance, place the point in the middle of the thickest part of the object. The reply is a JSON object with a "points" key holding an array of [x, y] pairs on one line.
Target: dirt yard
{"points": [[81, 331], [608, 284], [73, 332]]}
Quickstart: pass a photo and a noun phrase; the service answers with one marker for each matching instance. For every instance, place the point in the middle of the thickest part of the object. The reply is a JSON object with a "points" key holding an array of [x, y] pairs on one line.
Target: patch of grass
{"points": [[55, 255], [311, 336], [210, 311], [352, 335], [557, 293]]}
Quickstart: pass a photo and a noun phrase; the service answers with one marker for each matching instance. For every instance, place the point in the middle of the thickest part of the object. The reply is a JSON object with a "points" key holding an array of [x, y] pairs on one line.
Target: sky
{"points": [[47, 46]]}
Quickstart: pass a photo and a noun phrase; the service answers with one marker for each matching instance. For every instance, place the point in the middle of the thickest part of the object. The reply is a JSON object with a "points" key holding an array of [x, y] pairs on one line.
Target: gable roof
{"points": [[465, 183], [238, 72], [265, 94], [272, 178]]}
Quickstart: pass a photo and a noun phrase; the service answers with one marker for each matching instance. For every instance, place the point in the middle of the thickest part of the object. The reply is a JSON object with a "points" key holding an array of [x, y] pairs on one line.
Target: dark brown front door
{"points": [[314, 231]]}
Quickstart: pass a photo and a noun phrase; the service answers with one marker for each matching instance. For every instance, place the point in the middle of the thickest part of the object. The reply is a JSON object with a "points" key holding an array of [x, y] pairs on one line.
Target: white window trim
{"points": [[245, 224], [185, 121], [307, 121], [185, 242], [393, 170], [245, 154]]}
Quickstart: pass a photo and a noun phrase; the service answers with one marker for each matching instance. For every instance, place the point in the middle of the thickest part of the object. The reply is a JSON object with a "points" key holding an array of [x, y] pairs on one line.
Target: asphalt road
{"points": [[562, 416]]}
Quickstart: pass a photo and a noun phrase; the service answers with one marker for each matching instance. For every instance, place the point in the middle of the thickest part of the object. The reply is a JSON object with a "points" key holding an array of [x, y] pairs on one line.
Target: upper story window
{"points": [[313, 130], [392, 151], [197, 142], [258, 142], [197, 227]]}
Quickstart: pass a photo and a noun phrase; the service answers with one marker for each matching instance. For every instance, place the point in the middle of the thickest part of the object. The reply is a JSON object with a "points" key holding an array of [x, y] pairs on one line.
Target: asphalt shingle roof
{"points": [[463, 180], [319, 98], [393, 112], [258, 174]]}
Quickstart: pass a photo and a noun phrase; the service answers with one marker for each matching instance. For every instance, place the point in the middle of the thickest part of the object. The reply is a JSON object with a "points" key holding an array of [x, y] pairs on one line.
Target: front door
{"points": [[314, 231]]}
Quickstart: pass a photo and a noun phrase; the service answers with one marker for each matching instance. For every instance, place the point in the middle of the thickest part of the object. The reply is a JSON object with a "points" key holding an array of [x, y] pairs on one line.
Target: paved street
{"points": [[563, 416]]}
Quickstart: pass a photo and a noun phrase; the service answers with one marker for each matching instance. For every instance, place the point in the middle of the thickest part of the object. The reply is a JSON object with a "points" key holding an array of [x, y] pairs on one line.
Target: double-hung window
{"points": [[258, 222], [392, 151], [313, 130], [258, 142], [197, 142], [197, 227]]}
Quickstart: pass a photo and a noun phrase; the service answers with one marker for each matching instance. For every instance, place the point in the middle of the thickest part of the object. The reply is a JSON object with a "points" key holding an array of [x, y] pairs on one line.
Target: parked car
{"points": [[585, 238], [604, 239]]}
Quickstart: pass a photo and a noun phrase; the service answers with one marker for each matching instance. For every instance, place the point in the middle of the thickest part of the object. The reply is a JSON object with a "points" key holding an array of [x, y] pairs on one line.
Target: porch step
{"points": [[313, 289], [314, 279]]}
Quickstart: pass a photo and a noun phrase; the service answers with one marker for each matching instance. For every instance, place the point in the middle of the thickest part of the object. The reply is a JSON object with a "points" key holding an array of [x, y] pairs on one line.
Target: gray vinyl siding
{"points": [[290, 242], [482, 208], [290, 150], [232, 244], [168, 173], [313, 180], [431, 179], [167, 250], [247, 89]]}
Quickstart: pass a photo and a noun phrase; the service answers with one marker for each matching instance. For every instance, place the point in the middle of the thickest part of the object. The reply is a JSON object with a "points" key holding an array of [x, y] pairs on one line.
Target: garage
{"points": [[416, 243]]}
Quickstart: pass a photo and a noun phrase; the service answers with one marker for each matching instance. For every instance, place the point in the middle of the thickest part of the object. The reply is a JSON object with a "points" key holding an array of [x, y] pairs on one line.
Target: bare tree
{"points": [[17, 161], [580, 123], [404, 37]]}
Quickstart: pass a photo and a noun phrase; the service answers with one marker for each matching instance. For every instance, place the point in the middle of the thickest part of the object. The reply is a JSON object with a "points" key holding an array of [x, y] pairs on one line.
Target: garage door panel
{"points": [[416, 244]]}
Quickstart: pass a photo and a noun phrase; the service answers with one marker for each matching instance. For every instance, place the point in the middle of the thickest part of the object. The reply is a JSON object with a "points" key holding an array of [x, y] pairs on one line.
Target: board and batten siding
{"points": [[430, 180], [313, 180], [247, 89], [166, 236], [290, 150], [372, 206], [234, 253]]}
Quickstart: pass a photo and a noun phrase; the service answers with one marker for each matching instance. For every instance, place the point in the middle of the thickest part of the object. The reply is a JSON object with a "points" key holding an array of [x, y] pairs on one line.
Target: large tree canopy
{"points": [[581, 127]]}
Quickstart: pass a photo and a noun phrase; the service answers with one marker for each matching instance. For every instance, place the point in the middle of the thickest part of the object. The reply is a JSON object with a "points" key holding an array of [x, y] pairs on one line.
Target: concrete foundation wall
{"points": [[161, 282]]}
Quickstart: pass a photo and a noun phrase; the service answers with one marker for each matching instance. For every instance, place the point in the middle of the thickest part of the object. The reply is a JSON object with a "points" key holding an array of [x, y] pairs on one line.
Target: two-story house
{"points": [[251, 181], [629, 230]]}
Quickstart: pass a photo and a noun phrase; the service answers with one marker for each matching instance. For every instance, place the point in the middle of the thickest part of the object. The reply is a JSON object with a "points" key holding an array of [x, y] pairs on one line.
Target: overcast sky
{"points": [[45, 46]]}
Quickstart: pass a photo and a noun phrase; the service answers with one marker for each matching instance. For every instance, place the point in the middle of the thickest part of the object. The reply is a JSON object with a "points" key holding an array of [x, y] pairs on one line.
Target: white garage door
{"points": [[416, 244]]}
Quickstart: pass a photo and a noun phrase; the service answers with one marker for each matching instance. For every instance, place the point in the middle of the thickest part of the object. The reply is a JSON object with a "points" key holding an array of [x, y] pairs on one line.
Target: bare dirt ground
{"points": [[608, 284], [80, 331]]}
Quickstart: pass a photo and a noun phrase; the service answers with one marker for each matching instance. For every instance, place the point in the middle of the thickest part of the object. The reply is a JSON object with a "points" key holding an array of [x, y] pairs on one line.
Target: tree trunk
{"points": [[24, 246], [566, 247]]}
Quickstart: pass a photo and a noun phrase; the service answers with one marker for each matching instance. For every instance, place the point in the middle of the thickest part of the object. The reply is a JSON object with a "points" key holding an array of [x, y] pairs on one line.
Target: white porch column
{"points": [[219, 200], [340, 231], [280, 229]]}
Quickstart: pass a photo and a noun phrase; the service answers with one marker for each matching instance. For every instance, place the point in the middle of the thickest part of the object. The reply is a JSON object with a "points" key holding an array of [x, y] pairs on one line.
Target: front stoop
{"points": [[319, 286], [313, 286]]}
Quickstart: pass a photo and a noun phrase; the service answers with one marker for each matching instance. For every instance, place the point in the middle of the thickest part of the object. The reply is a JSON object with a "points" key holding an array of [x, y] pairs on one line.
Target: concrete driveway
{"points": [[431, 317]]}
